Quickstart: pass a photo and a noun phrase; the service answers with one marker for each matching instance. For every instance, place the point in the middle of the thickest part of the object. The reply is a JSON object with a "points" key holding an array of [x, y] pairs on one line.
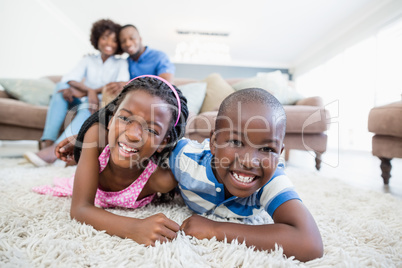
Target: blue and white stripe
{"points": [[201, 191]]}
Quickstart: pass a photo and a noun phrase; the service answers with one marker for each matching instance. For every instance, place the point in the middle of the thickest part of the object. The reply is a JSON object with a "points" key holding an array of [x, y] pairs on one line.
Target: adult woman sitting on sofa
{"points": [[71, 93]]}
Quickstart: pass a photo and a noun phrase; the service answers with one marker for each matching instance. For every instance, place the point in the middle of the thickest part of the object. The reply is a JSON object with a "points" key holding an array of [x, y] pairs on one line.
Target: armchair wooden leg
{"points": [[386, 169], [318, 160]]}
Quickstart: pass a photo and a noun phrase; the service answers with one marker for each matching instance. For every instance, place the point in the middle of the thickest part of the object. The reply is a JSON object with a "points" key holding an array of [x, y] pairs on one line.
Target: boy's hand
{"points": [[199, 227], [155, 228], [65, 150]]}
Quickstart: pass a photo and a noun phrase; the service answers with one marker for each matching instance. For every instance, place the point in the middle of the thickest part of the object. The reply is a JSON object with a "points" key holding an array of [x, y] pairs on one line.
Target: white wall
{"points": [[352, 31], [25, 27], [359, 70], [29, 28]]}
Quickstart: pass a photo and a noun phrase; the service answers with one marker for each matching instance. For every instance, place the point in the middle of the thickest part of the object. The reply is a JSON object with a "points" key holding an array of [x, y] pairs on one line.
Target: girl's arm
{"points": [[294, 229], [162, 180], [144, 231]]}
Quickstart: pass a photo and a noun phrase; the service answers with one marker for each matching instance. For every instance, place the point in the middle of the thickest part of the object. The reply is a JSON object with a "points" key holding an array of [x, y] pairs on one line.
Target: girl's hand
{"points": [[65, 149], [199, 227], [154, 228]]}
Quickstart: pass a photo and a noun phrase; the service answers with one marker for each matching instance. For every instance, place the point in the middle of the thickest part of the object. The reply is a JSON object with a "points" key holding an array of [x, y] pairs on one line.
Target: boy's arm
{"points": [[294, 229], [144, 231]]}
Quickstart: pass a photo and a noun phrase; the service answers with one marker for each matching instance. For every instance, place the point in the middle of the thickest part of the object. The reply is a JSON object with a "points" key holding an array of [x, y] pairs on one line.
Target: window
{"points": [[365, 75]]}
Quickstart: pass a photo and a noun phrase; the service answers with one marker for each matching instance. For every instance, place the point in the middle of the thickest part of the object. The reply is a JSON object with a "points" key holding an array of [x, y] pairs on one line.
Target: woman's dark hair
{"points": [[101, 26], [154, 87]]}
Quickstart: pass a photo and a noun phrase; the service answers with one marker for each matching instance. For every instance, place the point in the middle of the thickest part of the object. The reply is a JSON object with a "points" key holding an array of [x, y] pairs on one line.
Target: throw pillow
{"points": [[286, 94], [217, 90], [32, 91], [274, 83], [253, 82], [195, 94]]}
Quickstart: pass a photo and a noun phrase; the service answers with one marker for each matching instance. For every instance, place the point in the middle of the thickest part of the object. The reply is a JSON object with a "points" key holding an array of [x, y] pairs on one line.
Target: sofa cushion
{"points": [[17, 113], [386, 119], [13, 133], [310, 142], [199, 126], [3, 94], [311, 101], [32, 91], [217, 90], [306, 119], [300, 119], [259, 82], [195, 95], [183, 81], [387, 146], [274, 83]]}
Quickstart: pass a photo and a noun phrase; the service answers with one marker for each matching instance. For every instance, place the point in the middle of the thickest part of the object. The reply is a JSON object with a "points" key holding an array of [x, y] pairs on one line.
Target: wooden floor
{"points": [[357, 168]]}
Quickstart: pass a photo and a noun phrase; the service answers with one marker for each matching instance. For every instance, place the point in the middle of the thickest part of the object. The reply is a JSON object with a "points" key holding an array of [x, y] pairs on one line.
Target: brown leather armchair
{"points": [[386, 123]]}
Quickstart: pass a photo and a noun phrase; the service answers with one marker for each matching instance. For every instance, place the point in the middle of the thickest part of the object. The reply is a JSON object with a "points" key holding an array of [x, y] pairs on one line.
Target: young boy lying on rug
{"points": [[236, 175]]}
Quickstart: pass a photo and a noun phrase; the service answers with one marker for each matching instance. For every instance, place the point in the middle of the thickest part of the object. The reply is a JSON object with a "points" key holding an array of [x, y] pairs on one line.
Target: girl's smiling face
{"points": [[138, 129]]}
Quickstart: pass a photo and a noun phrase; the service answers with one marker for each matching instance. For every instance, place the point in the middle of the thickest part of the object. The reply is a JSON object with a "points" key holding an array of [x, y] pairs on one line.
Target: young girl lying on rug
{"points": [[236, 175], [117, 167]]}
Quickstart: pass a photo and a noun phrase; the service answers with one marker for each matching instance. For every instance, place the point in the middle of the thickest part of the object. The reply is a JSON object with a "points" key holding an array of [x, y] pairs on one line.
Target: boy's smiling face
{"points": [[246, 146]]}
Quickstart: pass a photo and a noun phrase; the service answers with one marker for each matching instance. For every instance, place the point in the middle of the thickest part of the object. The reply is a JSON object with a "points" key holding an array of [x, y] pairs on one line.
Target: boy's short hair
{"points": [[253, 95]]}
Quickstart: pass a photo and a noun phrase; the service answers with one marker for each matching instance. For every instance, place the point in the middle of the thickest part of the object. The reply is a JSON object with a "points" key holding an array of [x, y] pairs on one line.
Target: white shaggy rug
{"points": [[359, 229]]}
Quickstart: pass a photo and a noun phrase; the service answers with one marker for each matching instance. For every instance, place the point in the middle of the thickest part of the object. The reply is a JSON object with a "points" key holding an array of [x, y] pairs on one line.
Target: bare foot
{"points": [[45, 143], [47, 154]]}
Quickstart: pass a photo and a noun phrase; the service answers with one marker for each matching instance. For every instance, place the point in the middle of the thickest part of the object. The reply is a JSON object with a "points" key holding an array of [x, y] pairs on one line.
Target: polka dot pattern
{"points": [[126, 198]]}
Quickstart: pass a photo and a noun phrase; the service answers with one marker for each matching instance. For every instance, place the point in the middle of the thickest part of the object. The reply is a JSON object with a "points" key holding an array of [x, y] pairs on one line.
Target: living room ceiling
{"points": [[264, 33]]}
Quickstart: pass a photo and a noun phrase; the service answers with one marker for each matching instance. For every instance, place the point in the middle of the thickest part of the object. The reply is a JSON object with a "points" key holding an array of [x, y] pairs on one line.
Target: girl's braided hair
{"points": [[155, 87]]}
